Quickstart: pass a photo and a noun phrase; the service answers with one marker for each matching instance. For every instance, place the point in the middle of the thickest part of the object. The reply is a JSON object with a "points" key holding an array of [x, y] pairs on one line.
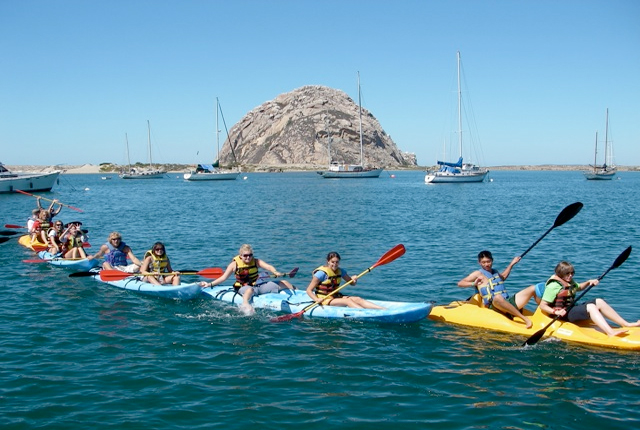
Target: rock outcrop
{"points": [[294, 129]]}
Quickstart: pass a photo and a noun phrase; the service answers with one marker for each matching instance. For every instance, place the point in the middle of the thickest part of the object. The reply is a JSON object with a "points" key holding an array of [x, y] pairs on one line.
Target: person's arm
{"points": [[506, 272], [311, 289], [353, 279], [585, 284], [266, 266], [144, 267], [102, 251], [472, 280], [132, 257], [548, 310], [230, 269]]}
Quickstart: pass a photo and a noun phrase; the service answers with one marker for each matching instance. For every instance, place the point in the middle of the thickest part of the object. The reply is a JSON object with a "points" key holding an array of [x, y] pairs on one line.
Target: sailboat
{"points": [[212, 172], [458, 171], [149, 173], [605, 171], [338, 170]]}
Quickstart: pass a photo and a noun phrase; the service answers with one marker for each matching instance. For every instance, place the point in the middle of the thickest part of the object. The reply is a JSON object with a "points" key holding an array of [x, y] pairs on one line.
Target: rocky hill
{"points": [[293, 130]]}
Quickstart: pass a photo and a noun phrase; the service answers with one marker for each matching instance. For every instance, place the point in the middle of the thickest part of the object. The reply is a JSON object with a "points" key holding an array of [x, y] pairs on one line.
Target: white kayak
{"points": [[134, 283], [294, 301], [75, 264]]}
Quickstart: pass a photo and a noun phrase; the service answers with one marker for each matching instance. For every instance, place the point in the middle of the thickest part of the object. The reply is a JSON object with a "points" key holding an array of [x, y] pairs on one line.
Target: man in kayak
{"points": [[248, 280], [490, 284], [559, 301], [115, 253]]}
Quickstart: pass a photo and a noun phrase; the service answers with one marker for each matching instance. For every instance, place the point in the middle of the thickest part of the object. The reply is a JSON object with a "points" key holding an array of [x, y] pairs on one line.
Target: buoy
{"points": [[393, 176], [86, 189], [245, 178]]}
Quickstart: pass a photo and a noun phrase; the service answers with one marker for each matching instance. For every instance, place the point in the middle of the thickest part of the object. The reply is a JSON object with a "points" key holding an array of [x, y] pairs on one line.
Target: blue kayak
{"points": [[81, 264], [134, 283], [294, 301]]}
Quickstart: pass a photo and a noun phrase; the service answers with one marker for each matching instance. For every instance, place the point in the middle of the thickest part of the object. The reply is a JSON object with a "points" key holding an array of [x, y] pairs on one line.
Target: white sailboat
{"points": [[149, 173], [338, 170], [14, 181], [212, 172], [607, 170], [458, 171]]}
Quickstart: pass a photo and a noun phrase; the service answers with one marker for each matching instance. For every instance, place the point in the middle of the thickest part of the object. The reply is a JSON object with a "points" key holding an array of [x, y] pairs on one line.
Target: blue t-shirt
{"points": [[323, 276]]}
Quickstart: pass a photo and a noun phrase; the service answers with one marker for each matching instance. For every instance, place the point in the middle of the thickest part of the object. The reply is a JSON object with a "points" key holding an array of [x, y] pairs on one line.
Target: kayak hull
{"points": [[80, 265], [25, 240], [471, 313], [174, 292], [292, 302]]}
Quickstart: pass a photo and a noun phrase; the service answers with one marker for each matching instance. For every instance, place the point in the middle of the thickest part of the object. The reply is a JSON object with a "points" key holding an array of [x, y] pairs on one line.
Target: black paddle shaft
{"points": [[565, 215]]}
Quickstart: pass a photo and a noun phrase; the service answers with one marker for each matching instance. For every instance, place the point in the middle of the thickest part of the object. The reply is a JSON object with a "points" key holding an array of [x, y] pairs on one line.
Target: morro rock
{"points": [[294, 129]]}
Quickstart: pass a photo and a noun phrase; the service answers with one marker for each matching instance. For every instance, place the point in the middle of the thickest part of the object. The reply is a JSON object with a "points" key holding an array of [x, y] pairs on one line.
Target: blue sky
{"points": [[77, 75]]}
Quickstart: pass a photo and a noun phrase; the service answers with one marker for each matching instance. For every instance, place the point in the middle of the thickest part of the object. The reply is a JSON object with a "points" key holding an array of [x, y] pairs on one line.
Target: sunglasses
{"points": [[247, 255], [158, 249]]}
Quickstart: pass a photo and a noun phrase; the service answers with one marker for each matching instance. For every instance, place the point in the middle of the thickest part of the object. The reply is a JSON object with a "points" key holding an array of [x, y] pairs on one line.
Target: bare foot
{"points": [[618, 332], [247, 309], [528, 322], [635, 324]]}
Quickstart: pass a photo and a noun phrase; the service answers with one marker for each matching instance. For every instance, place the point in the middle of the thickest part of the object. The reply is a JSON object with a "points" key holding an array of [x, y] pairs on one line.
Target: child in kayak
{"points": [[559, 301], [156, 261], [327, 279], [490, 284]]}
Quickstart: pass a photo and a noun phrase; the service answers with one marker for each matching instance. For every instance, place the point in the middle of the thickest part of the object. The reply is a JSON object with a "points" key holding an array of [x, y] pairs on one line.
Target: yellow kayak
{"points": [[473, 313], [32, 245]]}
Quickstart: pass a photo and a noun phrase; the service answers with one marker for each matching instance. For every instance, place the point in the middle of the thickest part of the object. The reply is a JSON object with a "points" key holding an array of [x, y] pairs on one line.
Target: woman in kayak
{"points": [[156, 261], [72, 239], [248, 280], [326, 279], [490, 284], [115, 253], [559, 301]]}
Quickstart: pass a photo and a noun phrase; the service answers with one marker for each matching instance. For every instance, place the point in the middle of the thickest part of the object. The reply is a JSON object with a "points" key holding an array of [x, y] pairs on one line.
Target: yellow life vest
{"points": [[331, 283], [246, 274], [158, 264]]}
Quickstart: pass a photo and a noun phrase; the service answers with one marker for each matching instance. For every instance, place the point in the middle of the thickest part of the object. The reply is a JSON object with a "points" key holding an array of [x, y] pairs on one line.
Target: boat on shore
{"points": [[213, 172], [150, 172], [338, 170], [458, 172], [294, 301], [13, 181], [604, 171], [473, 314]]}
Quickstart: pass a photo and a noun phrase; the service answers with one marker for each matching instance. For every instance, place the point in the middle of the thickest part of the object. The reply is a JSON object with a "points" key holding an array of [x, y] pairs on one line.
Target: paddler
{"points": [[490, 284], [115, 253], [560, 292], [327, 278], [156, 261], [248, 281], [72, 240]]}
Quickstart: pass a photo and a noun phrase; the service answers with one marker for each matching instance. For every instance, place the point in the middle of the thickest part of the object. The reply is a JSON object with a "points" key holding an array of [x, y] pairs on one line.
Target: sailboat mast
{"points": [[459, 107], [126, 139], [149, 144], [595, 155], [360, 113], [606, 138], [217, 130]]}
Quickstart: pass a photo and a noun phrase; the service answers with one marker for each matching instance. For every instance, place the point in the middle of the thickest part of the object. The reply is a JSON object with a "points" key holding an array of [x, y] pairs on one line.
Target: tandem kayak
{"points": [[472, 313], [294, 301], [75, 264], [134, 283]]}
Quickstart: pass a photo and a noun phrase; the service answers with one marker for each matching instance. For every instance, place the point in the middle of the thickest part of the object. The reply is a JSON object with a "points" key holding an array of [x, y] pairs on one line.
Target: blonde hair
{"points": [[246, 248], [115, 235]]}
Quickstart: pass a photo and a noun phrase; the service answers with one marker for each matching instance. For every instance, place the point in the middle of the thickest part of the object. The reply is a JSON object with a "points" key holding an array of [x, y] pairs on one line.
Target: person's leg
{"points": [[600, 321], [522, 297], [612, 315], [503, 305]]}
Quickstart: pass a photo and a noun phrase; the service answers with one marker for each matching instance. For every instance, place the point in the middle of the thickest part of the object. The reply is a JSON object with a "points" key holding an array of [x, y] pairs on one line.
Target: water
{"points": [[75, 353]]}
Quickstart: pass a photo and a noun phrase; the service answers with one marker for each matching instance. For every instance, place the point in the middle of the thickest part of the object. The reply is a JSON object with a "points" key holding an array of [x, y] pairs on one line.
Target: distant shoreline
{"points": [[96, 169]]}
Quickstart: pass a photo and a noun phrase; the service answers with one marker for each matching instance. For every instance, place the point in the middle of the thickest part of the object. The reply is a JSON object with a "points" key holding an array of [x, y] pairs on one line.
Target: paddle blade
{"points": [[82, 274], [13, 226], [389, 256], [535, 338], [4, 239], [37, 260], [288, 317], [8, 233], [114, 275], [211, 272], [292, 274], [621, 258], [568, 213], [38, 248]]}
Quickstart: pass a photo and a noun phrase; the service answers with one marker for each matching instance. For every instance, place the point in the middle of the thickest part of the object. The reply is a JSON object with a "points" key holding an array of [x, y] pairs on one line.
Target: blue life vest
{"points": [[115, 256], [494, 287]]}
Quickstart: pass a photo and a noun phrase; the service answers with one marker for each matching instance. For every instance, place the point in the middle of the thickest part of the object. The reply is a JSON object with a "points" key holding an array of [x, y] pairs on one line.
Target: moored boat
{"points": [[134, 283], [294, 301], [608, 169], [472, 313], [75, 264], [12, 181]]}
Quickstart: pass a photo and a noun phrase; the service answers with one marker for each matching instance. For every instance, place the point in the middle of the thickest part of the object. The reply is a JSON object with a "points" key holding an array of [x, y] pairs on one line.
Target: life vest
{"points": [[331, 283], [116, 256], [40, 225], [566, 296], [158, 264], [494, 287], [246, 274]]}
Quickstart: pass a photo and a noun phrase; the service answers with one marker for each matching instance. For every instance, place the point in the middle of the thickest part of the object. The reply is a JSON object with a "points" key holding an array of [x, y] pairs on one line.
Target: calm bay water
{"points": [[75, 353]]}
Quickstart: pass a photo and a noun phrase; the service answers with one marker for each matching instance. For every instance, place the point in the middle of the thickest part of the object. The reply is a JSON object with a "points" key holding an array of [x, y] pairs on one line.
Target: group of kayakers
{"points": [[555, 299]]}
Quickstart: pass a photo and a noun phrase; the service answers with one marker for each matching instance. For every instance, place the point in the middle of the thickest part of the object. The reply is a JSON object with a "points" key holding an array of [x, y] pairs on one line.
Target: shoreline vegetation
{"points": [[108, 168]]}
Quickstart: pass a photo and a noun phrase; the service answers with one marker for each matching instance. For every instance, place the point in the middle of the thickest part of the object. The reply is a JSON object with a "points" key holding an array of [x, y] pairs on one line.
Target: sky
{"points": [[77, 76]]}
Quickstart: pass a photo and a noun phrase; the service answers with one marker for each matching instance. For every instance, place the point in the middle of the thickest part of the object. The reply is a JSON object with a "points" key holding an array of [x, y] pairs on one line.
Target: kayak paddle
{"points": [[538, 335], [49, 200], [4, 239], [564, 216], [388, 257], [8, 233], [291, 274], [13, 226], [117, 275]]}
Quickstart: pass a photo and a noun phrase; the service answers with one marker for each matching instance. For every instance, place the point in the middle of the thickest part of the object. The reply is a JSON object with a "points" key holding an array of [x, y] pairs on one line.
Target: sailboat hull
{"points": [[599, 176], [144, 175], [453, 178], [212, 176], [329, 174]]}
